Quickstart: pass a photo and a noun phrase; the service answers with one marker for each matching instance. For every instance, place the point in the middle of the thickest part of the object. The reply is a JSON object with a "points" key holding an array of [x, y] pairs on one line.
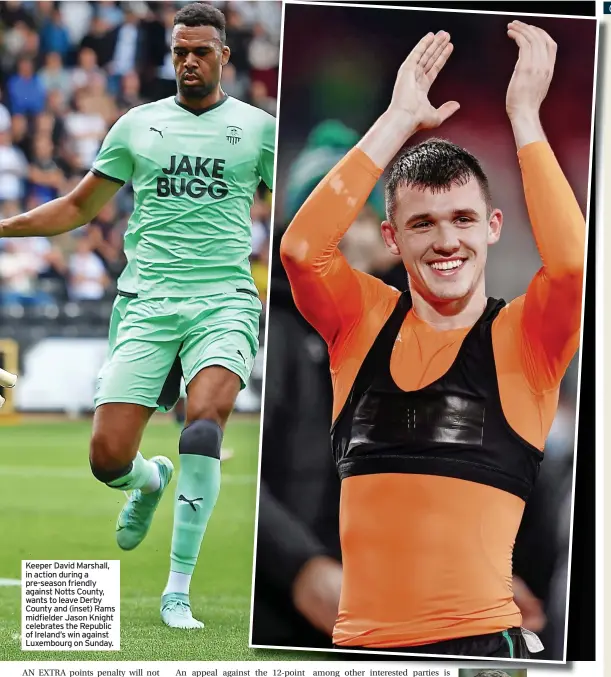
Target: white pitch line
{"points": [[9, 582]]}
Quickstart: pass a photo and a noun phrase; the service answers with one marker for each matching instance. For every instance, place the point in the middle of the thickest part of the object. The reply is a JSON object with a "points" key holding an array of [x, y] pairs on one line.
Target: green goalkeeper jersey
{"points": [[194, 176]]}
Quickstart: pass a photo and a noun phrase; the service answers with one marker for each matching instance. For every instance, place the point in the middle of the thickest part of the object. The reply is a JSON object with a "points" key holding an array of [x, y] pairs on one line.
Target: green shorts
{"points": [[154, 342]]}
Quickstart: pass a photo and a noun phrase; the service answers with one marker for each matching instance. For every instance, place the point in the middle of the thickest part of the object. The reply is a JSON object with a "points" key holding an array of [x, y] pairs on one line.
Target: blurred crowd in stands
{"points": [[68, 70]]}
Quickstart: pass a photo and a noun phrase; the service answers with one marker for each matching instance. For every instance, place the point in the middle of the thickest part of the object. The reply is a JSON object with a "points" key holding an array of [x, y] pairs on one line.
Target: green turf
{"points": [[52, 508]]}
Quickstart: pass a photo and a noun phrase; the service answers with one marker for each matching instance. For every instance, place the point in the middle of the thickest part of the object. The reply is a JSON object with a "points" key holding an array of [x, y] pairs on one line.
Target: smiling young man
{"points": [[187, 301], [443, 397]]}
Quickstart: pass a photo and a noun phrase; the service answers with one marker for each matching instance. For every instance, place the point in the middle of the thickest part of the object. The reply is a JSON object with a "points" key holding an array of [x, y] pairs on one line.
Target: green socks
{"points": [[143, 475], [199, 482]]}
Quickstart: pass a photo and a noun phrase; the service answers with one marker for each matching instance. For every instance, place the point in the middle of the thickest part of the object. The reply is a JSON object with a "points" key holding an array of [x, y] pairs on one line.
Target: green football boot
{"points": [[176, 612], [137, 514]]}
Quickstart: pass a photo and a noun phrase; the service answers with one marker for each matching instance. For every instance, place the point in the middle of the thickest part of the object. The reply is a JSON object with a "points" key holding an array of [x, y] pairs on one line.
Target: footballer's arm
{"points": [[552, 306], [64, 213]]}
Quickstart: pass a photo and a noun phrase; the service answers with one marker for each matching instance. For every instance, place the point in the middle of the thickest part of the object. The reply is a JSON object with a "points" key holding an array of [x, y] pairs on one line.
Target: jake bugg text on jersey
{"points": [[177, 181]]}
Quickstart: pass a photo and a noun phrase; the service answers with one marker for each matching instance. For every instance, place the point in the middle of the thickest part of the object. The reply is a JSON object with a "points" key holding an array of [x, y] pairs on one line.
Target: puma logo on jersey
{"points": [[153, 129]]}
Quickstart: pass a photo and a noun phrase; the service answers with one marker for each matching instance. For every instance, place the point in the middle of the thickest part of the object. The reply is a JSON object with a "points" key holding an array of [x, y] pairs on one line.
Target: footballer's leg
{"points": [[211, 396], [143, 350], [116, 461], [217, 358]]}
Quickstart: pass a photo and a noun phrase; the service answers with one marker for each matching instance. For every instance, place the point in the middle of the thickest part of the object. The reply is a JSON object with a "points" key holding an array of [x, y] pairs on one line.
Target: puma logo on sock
{"points": [[191, 501]]}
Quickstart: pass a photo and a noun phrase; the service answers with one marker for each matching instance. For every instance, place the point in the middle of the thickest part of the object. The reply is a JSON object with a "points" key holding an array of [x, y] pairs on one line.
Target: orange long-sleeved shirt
{"points": [[428, 558]]}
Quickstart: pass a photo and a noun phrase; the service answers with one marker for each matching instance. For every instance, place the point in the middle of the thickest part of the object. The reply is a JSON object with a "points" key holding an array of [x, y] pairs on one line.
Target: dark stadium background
{"points": [[339, 63]]}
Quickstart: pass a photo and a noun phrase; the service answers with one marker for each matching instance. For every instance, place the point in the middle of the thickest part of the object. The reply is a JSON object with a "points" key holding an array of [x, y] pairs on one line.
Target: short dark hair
{"points": [[436, 164], [201, 14]]}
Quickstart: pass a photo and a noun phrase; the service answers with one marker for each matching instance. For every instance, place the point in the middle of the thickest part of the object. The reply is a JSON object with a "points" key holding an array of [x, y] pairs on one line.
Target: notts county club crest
{"points": [[234, 134]]}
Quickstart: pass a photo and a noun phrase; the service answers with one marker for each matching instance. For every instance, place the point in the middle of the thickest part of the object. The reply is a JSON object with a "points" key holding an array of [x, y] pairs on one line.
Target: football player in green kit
{"points": [[195, 161]]}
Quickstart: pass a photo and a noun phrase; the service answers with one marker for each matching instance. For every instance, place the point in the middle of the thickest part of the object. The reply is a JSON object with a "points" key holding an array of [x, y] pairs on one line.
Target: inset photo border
{"points": [[389, 536]]}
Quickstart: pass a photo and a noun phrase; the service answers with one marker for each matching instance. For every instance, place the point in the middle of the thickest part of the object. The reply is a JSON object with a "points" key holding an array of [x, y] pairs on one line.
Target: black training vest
{"points": [[454, 427]]}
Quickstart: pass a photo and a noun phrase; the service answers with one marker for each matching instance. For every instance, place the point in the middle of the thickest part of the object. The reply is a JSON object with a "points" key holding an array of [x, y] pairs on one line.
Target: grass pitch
{"points": [[52, 508]]}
